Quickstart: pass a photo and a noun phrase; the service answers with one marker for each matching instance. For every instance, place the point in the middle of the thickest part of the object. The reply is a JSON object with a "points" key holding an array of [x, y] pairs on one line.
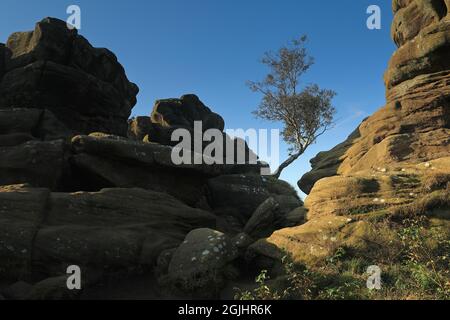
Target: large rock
{"points": [[113, 230], [39, 163], [261, 223], [244, 193], [81, 185], [234, 150], [124, 163], [21, 212], [396, 164], [326, 164], [184, 112], [39, 123], [197, 266], [426, 54], [414, 125], [54, 68], [139, 127], [413, 16]]}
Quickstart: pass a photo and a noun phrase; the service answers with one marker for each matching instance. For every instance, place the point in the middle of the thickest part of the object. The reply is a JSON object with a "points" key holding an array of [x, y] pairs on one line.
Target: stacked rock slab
{"points": [[398, 156], [170, 115], [54, 68], [75, 190]]}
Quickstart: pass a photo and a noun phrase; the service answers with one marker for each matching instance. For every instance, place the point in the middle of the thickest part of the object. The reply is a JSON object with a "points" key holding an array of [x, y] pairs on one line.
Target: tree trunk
{"points": [[286, 164]]}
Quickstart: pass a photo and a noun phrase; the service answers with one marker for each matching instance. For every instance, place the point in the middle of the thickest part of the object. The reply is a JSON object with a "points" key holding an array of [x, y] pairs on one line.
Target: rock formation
{"points": [[78, 186], [398, 160], [53, 68], [81, 184]]}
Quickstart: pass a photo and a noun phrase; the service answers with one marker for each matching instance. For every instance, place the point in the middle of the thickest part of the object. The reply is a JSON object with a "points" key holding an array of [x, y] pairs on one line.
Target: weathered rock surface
{"points": [[39, 163], [54, 68], [125, 163], [397, 163], [413, 16], [110, 230], [414, 125], [260, 223], [81, 185], [184, 112], [40, 124], [170, 115], [245, 193], [198, 265]]}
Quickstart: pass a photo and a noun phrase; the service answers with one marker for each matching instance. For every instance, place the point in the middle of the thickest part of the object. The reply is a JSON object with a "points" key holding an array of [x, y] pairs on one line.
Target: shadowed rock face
{"points": [[169, 115], [184, 112], [54, 68], [2, 60], [79, 186]]}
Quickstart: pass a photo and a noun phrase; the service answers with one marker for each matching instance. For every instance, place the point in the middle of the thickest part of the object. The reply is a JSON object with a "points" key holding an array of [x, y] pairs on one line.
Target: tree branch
{"points": [[287, 163]]}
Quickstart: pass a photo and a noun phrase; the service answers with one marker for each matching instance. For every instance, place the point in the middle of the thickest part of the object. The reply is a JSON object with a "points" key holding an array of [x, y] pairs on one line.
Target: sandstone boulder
{"points": [[197, 266], [233, 150], [414, 125], [246, 192], [184, 112], [54, 68], [21, 211], [260, 224], [429, 57], [39, 163], [384, 170], [139, 127], [81, 185], [40, 124], [413, 16], [107, 231], [124, 163]]}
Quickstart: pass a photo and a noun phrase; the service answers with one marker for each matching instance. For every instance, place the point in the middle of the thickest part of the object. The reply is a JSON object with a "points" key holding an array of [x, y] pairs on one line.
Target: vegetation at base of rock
{"points": [[414, 261]]}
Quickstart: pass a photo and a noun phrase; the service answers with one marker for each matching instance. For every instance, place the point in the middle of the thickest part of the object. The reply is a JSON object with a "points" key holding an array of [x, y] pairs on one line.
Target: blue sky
{"points": [[212, 47]]}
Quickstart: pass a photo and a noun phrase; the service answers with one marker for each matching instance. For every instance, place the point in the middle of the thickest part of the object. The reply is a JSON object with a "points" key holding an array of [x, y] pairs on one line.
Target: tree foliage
{"points": [[305, 112]]}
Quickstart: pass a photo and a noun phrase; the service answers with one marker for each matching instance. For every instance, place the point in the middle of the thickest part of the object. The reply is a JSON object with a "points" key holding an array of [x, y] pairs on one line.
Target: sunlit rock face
{"points": [[398, 158], [81, 184], [413, 126]]}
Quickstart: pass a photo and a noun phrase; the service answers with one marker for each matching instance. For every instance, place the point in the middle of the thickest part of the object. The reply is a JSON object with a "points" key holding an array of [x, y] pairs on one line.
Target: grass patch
{"points": [[413, 256]]}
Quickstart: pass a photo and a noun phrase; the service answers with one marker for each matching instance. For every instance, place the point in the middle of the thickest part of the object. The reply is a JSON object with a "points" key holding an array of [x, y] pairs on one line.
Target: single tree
{"points": [[306, 113]]}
